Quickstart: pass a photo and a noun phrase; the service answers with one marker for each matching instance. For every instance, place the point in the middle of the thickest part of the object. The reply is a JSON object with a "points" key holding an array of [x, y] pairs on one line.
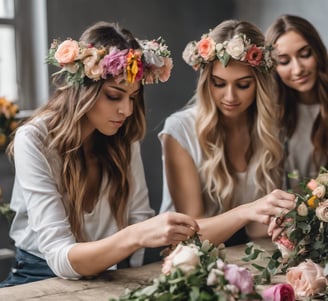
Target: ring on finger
{"points": [[278, 220]]}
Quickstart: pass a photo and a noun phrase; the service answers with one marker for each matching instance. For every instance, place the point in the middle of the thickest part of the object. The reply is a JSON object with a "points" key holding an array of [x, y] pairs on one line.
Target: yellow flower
{"points": [[313, 202], [3, 139], [132, 67]]}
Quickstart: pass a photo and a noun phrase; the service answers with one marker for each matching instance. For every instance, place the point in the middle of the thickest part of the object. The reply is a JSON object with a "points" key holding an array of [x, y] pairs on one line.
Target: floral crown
{"points": [[197, 54], [150, 64]]}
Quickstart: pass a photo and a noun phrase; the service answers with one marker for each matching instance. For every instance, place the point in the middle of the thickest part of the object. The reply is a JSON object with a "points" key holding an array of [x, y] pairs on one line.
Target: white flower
{"points": [[187, 258], [302, 209], [236, 48], [320, 191]]}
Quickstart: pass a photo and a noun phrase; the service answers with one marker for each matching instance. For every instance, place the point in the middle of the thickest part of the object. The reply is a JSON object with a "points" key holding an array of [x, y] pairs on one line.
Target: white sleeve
{"points": [[46, 213], [139, 207]]}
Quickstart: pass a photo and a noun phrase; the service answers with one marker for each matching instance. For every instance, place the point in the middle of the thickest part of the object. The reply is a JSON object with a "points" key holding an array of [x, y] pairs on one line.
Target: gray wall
{"points": [[177, 22], [263, 12]]}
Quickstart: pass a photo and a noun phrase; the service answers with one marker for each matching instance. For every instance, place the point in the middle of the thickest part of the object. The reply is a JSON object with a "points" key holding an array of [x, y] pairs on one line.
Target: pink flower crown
{"points": [[150, 64], [197, 54]]}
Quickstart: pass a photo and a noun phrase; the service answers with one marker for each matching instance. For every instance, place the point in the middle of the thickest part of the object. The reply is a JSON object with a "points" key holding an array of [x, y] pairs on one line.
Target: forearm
{"points": [[90, 258], [219, 228]]}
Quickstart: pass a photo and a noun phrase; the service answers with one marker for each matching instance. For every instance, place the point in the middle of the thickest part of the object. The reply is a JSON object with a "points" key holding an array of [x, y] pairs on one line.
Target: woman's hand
{"points": [[166, 229], [277, 203]]}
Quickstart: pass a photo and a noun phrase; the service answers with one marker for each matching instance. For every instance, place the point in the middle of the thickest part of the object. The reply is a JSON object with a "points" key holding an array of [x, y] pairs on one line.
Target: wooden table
{"points": [[110, 284]]}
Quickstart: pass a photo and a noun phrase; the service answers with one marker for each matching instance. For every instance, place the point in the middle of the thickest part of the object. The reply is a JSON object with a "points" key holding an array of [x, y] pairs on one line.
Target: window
{"points": [[8, 82], [23, 47]]}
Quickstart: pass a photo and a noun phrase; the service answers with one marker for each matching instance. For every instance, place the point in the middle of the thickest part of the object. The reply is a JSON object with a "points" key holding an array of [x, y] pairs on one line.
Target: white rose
{"points": [[186, 259], [236, 48], [320, 191], [302, 209], [322, 211]]}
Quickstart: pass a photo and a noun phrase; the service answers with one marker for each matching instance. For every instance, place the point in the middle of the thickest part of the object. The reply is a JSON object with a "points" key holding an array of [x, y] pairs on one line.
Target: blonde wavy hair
{"points": [[64, 113], [217, 172], [287, 98]]}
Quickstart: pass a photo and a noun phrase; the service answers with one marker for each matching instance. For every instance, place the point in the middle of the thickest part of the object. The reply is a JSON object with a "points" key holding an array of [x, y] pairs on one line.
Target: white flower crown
{"points": [[150, 64], [197, 54]]}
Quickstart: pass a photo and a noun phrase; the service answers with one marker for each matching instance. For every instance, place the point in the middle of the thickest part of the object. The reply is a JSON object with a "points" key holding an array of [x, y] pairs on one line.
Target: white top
{"points": [[300, 147], [41, 225], [181, 126]]}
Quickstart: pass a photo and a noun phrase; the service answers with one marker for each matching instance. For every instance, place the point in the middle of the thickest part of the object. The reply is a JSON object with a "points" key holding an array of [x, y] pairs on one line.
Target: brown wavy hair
{"points": [[64, 113], [287, 98]]}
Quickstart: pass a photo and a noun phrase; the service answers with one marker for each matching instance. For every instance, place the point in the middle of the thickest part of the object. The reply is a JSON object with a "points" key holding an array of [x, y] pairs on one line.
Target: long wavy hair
{"points": [[287, 98], [218, 173], [64, 114]]}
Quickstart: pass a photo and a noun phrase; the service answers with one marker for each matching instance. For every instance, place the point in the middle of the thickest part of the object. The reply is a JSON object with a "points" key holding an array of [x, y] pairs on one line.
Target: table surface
{"points": [[110, 284]]}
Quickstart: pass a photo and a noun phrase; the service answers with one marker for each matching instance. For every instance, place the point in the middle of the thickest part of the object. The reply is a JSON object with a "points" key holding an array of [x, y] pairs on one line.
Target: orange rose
{"points": [[206, 48]]}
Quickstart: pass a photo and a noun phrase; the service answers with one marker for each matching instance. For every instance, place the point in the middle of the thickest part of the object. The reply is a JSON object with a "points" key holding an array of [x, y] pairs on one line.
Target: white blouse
{"points": [[41, 225], [181, 126]]}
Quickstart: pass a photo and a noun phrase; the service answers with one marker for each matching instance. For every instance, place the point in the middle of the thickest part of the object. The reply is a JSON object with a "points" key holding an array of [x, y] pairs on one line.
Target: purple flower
{"points": [[114, 62], [240, 277]]}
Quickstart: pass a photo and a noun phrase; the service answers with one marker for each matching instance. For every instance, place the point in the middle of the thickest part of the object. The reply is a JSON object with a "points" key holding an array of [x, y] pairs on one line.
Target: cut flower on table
{"points": [[302, 247], [197, 270]]}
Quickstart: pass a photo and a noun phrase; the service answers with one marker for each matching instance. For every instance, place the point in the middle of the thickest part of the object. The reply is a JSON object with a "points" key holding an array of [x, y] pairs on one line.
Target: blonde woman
{"points": [[222, 154], [80, 194]]}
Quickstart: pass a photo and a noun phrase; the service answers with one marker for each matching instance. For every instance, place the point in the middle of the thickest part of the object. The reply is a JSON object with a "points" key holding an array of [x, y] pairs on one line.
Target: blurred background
{"points": [[27, 28]]}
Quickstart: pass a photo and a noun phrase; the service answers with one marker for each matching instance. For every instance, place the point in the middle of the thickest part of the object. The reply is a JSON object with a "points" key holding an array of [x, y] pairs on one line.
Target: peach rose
{"points": [[322, 211], [67, 52], [92, 68], [307, 278], [186, 258], [206, 48], [165, 71], [312, 184]]}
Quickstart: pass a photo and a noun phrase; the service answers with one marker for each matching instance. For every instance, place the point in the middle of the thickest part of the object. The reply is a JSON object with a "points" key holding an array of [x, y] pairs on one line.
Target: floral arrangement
{"points": [[302, 247], [8, 111], [196, 270], [151, 63], [239, 48]]}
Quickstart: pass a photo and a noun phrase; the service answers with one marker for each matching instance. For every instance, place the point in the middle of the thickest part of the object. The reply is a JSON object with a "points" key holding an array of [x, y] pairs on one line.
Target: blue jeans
{"points": [[27, 268]]}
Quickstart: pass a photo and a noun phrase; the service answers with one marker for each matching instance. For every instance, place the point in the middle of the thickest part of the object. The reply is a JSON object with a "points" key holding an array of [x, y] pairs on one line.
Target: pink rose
{"points": [[67, 52], [206, 48], [186, 258], [312, 184], [241, 277], [307, 278], [254, 55], [285, 246], [279, 292], [114, 63]]}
